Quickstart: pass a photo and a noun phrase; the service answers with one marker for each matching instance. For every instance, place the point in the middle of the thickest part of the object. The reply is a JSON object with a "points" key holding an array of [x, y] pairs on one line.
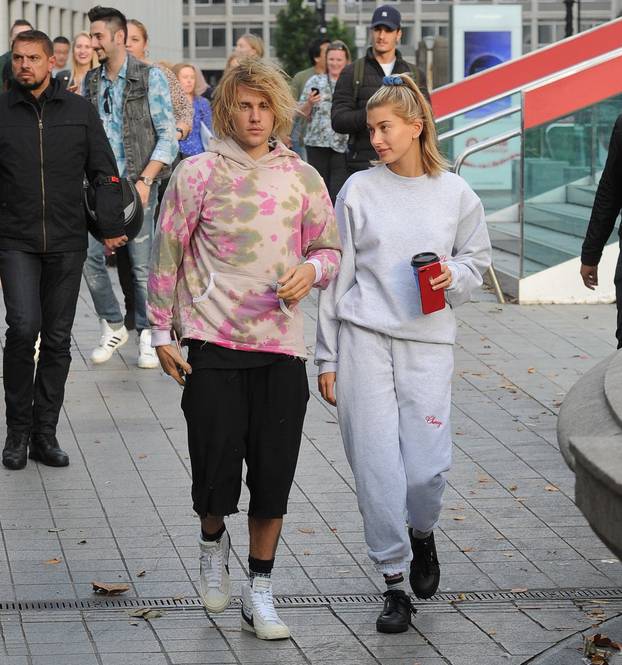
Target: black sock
{"points": [[259, 567], [213, 536]]}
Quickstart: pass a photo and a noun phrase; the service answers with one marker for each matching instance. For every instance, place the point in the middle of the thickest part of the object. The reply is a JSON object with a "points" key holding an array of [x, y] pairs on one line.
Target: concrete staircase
{"points": [[554, 231]]}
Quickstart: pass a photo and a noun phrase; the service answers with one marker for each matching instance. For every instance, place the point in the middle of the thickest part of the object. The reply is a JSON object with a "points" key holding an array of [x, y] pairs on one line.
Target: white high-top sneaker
{"points": [[215, 585], [258, 613], [109, 342], [147, 356]]}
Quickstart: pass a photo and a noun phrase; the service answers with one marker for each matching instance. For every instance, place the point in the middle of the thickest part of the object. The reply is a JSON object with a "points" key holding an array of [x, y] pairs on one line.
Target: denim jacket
{"points": [[139, 133]]}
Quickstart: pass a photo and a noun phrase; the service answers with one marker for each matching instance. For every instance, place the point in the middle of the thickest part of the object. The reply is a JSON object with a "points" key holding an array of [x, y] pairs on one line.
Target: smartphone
{"points": [[431, 301], [315, 91]]}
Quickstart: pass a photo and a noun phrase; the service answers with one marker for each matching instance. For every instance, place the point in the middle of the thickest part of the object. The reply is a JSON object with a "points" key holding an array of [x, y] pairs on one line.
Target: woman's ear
{"points": [[417, 128]]}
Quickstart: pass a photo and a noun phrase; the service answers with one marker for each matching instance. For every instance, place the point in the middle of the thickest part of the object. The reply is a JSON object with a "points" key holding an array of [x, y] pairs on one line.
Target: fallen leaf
{"points": [[54, 561], [142, 456], [509, 555], [133, 623], [333, 529], [483, 479], [551, 488], [306, 552], [468, 549], [343, 572], [513, 488], [110, 589], [459, 518], [305, 529], [145, 613], [82, 542], [55, 530], [141, 573], [531, 370], [604, 641], [492, 632], [179, 597], [520, 590]]}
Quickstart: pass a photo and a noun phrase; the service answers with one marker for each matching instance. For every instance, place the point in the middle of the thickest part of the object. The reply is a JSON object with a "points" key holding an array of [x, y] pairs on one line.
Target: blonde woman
{"points": [[83, 58], [250, 46], [246, 230], [390, 363], [326, 149]]}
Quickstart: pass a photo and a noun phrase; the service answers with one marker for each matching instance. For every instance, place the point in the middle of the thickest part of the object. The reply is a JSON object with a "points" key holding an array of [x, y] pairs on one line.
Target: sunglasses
{"points": [[107, 100]]}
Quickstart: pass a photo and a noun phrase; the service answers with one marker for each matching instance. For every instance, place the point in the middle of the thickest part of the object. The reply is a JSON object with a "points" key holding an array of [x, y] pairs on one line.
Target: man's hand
{"points": [[443, 281], [296, 283], [143, 191], [589, 275], [115, 243], [326, 385], [173, 363]]}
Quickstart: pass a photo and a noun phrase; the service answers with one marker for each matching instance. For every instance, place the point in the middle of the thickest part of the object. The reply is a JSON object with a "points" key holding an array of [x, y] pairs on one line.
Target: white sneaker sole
{"points": [[214, 607], [276, 633], [105, 360], [148, 364]]}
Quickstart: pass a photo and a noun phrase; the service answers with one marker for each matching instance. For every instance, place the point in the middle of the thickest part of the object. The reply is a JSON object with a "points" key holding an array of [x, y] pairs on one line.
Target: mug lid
{"points": [[423, 259]]}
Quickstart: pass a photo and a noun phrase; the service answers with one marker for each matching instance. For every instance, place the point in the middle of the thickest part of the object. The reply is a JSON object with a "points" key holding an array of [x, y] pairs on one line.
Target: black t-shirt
{"points": [[203, 355]]}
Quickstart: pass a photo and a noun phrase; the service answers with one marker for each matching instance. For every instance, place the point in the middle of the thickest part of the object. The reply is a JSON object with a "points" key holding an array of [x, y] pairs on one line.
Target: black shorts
{"points": [[254, 414]]}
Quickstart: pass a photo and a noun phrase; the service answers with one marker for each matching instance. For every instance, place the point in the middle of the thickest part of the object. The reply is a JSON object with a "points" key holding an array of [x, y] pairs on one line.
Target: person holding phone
{"points": [[326, 149], [384, 363]]}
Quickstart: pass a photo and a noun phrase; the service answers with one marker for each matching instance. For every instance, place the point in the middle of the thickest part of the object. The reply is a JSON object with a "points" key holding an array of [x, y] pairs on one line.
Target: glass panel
{"points": [[219, 36], [452, 147], [494, 174], [564, 159]]}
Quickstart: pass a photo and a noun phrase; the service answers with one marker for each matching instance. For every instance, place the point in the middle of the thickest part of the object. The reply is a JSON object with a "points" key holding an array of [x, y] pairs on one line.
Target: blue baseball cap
{"points": [[388, 16]]}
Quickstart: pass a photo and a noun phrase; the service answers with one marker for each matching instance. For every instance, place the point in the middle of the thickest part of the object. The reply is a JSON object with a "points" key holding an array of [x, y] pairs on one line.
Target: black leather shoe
{"points": [[15, 450], [44, 448], [395, 615], [425, 572]]}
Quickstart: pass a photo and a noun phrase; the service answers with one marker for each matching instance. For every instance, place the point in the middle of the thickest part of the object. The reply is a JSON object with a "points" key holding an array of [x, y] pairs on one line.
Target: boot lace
{"points": [[263, 604], [211, 563]]}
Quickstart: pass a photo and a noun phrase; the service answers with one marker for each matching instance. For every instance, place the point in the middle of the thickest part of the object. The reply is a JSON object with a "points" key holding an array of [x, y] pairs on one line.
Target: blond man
{"points": [[247, 229]]}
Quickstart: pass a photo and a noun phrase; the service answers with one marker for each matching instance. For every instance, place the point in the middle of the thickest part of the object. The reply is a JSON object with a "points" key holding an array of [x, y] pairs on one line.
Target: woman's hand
{"points": [[444, 280], [173, 362], [296, 283], [326, 386]]}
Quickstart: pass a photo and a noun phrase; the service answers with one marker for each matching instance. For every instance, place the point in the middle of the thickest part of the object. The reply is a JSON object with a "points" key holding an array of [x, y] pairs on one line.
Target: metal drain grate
{"points": [[606, 593]]}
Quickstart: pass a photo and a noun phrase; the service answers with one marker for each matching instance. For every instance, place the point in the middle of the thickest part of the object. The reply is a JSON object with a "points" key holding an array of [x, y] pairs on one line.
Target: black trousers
{"points": [[253, 415], [331, 165], [40, 295], [618, 284]]}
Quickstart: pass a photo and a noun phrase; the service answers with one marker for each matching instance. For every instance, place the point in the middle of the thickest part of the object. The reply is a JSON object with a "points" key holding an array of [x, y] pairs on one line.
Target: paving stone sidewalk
{"points": [[521, 569]]}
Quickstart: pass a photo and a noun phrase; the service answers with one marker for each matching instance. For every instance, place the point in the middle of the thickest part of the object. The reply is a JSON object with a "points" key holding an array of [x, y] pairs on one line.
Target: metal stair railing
{"points": [[502, 138]]}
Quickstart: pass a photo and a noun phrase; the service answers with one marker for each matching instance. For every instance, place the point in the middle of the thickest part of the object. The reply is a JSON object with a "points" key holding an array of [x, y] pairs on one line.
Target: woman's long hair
{"points": [[409, 104], [74, 64]]}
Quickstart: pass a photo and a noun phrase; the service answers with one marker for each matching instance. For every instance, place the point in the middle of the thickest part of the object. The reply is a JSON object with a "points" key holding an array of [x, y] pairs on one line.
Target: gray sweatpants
{"points": [[393, 399]]}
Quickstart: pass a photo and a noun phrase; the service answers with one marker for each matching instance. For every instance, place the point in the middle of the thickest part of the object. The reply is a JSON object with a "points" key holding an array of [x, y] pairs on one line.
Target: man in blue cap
{"points": [[362, 78]]}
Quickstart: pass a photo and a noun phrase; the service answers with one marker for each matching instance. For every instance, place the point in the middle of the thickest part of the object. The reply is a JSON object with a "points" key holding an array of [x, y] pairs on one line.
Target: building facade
{"points": [[163, 19], [212, 27]]}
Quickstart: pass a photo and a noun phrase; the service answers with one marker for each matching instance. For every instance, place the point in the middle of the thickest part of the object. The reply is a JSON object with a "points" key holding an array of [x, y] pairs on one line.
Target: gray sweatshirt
{"points": [[384, 219]]}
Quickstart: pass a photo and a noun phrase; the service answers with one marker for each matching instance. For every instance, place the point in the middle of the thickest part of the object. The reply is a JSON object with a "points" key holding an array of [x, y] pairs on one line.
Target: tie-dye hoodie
{"points": [[230, 226]]}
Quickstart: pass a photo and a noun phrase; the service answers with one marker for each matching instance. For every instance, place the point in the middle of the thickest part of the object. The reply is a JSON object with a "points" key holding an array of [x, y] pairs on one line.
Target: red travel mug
{"points": [[426, 266]]}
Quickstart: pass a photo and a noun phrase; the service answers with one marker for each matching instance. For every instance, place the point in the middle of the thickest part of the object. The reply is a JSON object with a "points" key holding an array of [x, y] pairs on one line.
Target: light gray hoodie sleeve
{"points": [[326, 348], [471, 254]]}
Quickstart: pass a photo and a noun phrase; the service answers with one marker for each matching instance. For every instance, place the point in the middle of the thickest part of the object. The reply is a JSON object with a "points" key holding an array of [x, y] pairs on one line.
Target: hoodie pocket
{"points": [[210, 287]]}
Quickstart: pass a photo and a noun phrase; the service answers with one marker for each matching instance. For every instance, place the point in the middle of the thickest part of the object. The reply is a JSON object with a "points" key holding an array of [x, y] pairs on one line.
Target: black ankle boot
{"points": [[44, 448], [15, 450], [395, 615], [425, 572]]}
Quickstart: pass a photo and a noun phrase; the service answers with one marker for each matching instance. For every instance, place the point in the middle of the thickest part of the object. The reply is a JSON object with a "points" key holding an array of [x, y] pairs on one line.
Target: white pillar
{"points": [[43, 22], [54, 22], [4, 24], [30, 13], [65, 23]]}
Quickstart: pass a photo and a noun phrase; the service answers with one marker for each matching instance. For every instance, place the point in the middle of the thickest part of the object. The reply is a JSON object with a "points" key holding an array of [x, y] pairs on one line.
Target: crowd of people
{"points": [[245, 229]]}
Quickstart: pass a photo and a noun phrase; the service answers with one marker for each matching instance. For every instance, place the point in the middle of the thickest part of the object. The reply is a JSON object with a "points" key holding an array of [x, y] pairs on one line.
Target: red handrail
{"points": [[528, 68], [556, 99]]}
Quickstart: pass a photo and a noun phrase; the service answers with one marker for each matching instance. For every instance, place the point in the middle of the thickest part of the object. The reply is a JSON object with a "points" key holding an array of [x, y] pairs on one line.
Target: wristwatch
{"points": [[146, 179]]}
